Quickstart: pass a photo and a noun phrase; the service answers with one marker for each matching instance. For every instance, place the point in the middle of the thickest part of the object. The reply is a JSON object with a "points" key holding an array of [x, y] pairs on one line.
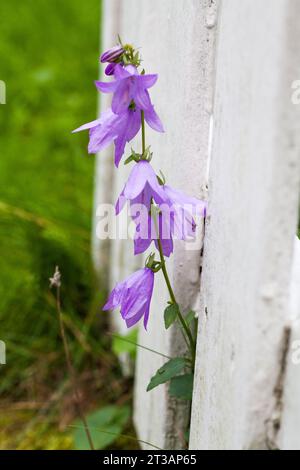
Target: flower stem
{"points": [[187, 330], [71, 369], [143, 132]]}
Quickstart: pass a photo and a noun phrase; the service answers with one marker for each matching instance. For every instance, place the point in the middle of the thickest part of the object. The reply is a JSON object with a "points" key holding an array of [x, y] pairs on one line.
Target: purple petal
{"points": [[167, 246], [129, 125], [148, 80], [133, 320], [107, 87], [141, 245], [120, 203], [143, 199], [143, 290], [153, 119], [115, 297], [89, 125], [120, 72], [122, 96], [141, 96], [146, 315], [131, 69], [103, 134], [142, 236], [142, 178], [180, 198], [135, 124], [104, 117], [157, 191], [137, 180], [150, 284], [165, 233]]}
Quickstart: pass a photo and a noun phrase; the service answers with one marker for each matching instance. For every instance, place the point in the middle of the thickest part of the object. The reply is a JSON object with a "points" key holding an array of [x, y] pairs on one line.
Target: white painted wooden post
{"points": [[243, 337]]}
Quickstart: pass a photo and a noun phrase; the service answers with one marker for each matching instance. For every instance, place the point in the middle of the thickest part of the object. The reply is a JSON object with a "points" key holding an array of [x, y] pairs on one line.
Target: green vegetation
{"points": [[48, 53]]}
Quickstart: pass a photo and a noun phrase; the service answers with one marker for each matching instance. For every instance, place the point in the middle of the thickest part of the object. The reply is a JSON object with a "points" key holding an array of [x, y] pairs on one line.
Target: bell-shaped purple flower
{"points": [[141, 186], [184, 210], [176, 220], [130, 86], [118, 128], [133, 296], [111, 127]]}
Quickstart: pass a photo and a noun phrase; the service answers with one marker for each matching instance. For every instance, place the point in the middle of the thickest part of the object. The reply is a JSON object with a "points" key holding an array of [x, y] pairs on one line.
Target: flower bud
{"points": [[109, 70], [112, 54]]}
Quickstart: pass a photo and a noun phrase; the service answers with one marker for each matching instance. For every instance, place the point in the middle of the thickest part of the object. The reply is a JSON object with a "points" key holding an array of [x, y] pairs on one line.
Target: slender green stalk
{"points": [[143, 132], [139, 345], [191, 341]]}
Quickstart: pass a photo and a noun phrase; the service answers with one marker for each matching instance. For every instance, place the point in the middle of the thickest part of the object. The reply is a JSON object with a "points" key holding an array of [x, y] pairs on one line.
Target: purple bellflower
{"points": [[177, 211], [110, 128], [141, 186], [133, 296], [118, 128], [176, 219], [130, 86]]}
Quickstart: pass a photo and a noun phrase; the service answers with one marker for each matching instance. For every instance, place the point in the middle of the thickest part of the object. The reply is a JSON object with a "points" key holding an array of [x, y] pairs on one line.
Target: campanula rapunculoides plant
{"points": [[160, 212]]}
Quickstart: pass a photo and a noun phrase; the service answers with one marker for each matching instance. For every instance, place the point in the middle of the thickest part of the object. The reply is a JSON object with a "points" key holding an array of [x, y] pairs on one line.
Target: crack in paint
{"points": [[273, 424]]}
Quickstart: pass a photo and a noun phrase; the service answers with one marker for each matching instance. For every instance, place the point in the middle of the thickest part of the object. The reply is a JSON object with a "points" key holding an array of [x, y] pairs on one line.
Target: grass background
{"points": [[49, 52]]}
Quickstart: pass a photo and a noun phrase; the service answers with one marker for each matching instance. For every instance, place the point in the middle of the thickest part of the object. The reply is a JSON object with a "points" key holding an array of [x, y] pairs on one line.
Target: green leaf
{"points": [[170, 315], [170, 369], [125, 344], [105, 426], [190, 317], [182, 386]]}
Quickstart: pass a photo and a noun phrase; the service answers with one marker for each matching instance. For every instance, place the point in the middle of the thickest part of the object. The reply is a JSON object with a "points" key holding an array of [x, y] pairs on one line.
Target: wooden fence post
{"points": [[244, 334]]}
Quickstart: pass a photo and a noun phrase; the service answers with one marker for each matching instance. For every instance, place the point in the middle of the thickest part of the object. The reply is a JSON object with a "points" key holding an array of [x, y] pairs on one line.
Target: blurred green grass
{"points": [[48, 53]]}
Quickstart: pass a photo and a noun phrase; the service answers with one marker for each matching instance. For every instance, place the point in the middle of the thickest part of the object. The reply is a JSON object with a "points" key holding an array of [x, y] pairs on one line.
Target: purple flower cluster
{"points": [[122, 122], [174, 212]]}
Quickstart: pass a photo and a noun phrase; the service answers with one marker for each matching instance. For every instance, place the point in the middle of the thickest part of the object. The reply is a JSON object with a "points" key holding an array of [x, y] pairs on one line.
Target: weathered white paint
{"points": [[253, 196]]}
